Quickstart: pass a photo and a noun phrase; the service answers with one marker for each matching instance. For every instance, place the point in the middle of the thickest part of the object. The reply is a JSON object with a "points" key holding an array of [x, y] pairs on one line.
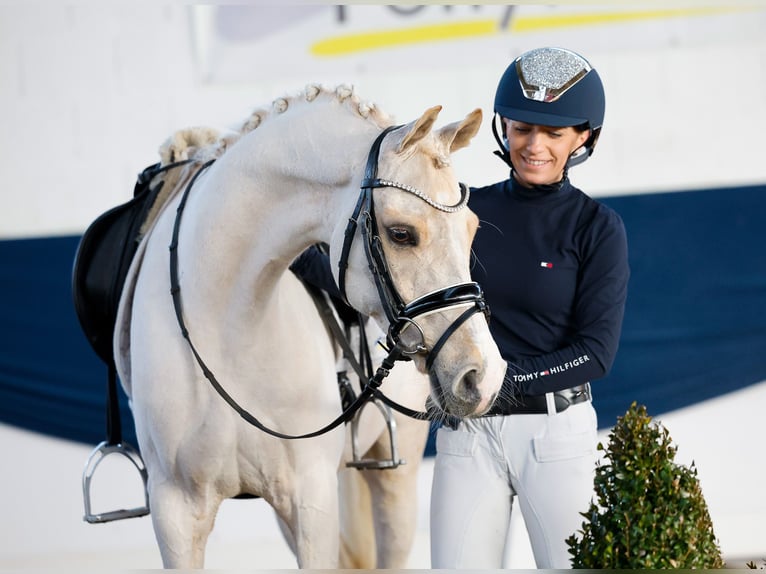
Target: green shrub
{"points": [[650, 512]]}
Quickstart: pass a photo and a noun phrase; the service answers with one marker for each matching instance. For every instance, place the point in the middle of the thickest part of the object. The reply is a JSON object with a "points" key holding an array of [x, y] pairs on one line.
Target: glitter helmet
{"points": [[551, 87]]}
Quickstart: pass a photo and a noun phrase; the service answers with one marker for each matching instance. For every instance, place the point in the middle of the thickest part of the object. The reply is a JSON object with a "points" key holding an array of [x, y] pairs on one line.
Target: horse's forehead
{"points": [[424, 168], [429, 150], [396, 206]]}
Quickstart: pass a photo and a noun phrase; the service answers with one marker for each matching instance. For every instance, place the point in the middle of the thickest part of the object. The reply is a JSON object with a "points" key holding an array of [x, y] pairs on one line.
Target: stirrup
{"points": [[99, 453], [370, 463]]}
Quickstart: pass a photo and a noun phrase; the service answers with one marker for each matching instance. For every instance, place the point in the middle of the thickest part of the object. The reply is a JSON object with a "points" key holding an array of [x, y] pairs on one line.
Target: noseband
{"points": [[399, 314]]}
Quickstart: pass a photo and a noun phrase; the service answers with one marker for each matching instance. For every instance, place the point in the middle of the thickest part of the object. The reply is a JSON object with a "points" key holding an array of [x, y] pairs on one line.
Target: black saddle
{"points": [[103, 258]]}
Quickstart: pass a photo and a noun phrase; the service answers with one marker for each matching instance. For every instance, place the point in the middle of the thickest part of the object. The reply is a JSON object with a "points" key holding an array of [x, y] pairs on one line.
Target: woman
{"points": [[553, 264]]}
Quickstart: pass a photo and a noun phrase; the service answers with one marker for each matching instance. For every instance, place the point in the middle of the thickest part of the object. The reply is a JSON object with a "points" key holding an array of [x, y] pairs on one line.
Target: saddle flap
{"points": [[101, 264]]}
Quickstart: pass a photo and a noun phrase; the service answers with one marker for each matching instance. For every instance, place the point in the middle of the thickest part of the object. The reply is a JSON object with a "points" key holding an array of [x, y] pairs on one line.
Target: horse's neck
{"points": [[268, 198]]}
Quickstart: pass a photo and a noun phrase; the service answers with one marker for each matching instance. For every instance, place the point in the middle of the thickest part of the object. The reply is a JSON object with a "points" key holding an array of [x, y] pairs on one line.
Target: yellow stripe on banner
{"points": [[351, 43], [535, 23], [364, 42]]}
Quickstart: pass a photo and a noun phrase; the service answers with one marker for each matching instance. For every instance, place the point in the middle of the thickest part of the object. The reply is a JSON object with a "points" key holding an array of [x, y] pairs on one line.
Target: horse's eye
{"points": [[401, 236]]}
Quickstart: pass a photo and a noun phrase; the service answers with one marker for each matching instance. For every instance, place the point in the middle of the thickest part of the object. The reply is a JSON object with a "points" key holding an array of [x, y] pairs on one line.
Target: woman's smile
{"points": [[539, 154]]}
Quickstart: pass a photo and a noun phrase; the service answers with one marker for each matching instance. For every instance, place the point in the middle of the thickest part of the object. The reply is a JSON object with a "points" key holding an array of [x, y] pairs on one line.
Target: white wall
{"points": [[88, 92]]}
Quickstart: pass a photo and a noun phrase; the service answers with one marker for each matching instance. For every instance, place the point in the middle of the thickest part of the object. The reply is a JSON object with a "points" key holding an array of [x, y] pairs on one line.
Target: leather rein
{"points": [[400, 315]]}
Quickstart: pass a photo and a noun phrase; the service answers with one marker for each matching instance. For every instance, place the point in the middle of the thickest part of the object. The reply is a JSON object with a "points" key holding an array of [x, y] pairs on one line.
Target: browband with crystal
{"points": [[464, 194]]}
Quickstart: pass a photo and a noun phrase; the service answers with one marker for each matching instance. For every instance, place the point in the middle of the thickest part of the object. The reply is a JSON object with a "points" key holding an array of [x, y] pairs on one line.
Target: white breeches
{"points": [[547, 462]]}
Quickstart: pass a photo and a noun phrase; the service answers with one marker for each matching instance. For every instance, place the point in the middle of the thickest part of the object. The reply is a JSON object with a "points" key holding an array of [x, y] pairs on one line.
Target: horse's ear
{"points": [[419, 128], [458, 135]]}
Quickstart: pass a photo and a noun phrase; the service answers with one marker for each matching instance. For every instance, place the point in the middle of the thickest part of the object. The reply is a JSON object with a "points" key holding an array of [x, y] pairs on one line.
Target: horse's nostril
{"points": [[468, 389], [469, 383]]}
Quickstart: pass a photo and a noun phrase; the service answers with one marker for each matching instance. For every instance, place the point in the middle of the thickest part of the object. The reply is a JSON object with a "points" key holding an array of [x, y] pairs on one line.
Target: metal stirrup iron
{"points": [[373, 463], [99, 454]]}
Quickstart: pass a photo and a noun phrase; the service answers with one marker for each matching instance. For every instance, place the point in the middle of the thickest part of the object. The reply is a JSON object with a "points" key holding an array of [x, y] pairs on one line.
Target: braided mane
{"points": [[205, 143], [201, 144], [344, 94]]}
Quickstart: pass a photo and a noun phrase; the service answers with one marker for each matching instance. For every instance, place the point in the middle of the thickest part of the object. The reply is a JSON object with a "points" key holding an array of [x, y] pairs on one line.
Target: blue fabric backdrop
{"points": [[694, 325]]}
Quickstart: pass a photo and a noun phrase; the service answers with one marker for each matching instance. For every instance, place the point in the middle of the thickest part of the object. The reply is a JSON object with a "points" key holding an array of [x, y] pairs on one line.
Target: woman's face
{"points": [[539, 153]]}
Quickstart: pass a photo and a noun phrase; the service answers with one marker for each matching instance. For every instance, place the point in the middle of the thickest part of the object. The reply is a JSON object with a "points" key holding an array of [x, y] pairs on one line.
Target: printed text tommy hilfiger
{"points": [[552, 370]]}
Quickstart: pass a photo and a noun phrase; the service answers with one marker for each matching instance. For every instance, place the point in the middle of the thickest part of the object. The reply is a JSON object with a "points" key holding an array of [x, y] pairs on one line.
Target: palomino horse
{"points": [[222, 297]]}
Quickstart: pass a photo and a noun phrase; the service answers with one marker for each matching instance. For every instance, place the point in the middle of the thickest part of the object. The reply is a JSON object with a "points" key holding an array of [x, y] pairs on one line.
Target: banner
{"points": [[246, 43]]}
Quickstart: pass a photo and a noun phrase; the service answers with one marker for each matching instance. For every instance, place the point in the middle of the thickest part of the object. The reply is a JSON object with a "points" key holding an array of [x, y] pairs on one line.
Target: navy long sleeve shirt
{"points": [[554, 268]]}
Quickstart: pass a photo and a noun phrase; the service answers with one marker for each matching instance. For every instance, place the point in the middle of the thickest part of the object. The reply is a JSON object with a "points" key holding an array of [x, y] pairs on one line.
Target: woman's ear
{"points": [[582, 137]]}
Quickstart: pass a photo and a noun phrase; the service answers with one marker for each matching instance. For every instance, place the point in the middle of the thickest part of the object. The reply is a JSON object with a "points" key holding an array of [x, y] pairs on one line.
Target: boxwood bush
{"points": [[648, 512]]}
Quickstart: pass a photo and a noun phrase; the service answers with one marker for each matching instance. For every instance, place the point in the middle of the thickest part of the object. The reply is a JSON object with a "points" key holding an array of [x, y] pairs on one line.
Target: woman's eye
{"points": [[401, 236]]}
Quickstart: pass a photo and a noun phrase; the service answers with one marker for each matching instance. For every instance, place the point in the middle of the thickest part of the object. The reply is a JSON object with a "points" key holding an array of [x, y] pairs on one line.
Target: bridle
{"points": [[402, 315], [399, 314]]}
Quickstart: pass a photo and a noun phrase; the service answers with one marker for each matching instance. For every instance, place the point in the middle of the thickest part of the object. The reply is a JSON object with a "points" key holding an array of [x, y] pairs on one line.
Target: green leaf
{"points": [[648, 512]]}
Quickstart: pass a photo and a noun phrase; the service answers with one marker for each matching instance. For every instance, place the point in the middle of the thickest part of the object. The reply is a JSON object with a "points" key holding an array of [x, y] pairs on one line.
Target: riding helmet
{"points": [[552, 87]]}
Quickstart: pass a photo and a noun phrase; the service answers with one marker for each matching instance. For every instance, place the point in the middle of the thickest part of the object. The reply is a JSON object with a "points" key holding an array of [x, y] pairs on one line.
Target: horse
{"points": [[213, 327]]}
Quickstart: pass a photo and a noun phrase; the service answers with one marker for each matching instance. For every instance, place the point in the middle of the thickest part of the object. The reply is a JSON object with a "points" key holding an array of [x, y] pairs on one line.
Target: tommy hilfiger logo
{"points": [[574, 363], [546, 264]]}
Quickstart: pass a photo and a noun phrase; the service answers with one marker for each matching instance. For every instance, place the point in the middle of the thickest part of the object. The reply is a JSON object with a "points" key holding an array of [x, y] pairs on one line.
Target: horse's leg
{"points": [[287, 534], [394, 493], [289, 516], [182, 523], [379, 507], [357, 536], [307, 505]]}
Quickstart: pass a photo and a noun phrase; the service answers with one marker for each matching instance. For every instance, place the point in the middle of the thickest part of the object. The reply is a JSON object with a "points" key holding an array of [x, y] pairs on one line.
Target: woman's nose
{"points": [[534, 141]]}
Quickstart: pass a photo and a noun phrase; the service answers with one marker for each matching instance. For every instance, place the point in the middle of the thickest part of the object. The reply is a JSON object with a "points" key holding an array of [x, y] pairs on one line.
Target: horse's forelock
{"points": [[441, 161], [431, 149], [436, 150]]}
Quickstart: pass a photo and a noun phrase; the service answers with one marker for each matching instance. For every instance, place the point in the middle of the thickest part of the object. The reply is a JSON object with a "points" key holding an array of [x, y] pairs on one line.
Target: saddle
{"points": [[103, 258], [101, 265]]}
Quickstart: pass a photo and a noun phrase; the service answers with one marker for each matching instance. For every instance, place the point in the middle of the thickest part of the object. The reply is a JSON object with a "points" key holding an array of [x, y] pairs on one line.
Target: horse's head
{"points": [[409, 266]]}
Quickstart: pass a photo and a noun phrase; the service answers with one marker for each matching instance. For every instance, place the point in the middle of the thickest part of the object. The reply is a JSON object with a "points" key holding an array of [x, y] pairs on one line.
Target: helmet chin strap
{"points": [[576, 157], [503, 152], [585, 150]]}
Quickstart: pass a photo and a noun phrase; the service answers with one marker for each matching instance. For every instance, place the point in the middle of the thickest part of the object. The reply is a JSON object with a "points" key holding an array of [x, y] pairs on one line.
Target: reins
{"points": [[175, 290], [399, 314], [364, 375]]}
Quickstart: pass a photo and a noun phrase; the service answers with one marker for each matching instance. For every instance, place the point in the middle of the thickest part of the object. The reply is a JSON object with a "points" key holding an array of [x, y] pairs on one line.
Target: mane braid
{"points": [[201, 143], [344, 94]]}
